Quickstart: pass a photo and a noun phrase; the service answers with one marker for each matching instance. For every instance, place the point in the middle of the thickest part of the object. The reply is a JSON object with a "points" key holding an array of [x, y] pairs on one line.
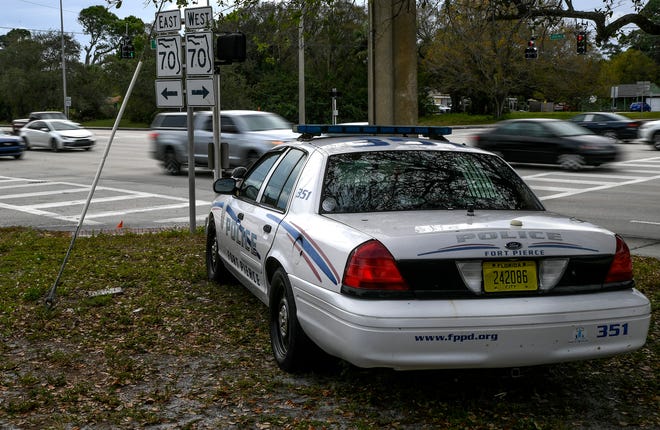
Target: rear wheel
{"points": [[27, 144], [215, 268], [172, 166], [571, 161], [290, 344], [611, 134]]}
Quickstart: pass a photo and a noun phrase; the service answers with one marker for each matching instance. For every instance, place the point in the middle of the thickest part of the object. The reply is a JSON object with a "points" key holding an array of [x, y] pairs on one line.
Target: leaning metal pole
{"points": [[50, 298]]}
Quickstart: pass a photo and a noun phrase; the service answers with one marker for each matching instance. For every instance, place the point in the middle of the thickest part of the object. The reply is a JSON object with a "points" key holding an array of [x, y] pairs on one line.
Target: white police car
{"points": [[392, 250]]}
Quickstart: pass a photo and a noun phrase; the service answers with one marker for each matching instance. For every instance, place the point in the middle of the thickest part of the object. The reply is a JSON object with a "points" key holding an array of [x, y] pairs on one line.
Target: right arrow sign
{"points": [[199, 92]]}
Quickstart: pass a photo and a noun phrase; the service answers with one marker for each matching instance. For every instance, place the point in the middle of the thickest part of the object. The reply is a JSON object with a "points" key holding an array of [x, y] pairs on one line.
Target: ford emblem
{"points": [[513, 245]]}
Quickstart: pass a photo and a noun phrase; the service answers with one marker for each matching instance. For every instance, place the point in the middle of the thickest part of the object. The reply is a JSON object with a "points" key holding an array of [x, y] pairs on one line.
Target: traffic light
{"points": [[531, 52], [581, 45], [230, 47], [126, 49]]}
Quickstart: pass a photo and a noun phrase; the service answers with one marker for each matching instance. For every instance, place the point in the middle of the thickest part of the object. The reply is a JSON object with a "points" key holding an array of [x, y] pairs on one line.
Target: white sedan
{"points": [[389, 249], [57, 134], [649, 132]]}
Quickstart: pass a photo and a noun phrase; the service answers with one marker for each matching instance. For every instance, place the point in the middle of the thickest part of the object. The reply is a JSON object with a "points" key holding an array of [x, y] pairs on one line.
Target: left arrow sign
{"points": [[169, 93]]}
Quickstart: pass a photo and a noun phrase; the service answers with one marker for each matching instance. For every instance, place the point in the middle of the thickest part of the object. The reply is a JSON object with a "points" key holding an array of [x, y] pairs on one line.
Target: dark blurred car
{"points": [[640, 107], [547, 141], [609, 124], [11, 146], [18, 124]]}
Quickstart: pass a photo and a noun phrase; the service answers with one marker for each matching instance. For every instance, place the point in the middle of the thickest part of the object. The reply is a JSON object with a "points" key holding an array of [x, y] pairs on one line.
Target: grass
{"points": [[173, 350]]}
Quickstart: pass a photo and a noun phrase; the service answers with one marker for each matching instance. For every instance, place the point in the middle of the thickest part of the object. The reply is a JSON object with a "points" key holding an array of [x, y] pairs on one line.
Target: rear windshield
{"points": [[422, 180]]}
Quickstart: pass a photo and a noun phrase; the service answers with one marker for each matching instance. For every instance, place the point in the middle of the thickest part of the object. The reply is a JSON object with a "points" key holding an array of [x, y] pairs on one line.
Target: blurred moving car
{"points": [[609, 124], [640, 107], [388, 249], [649, 132], [57, 134], [443, 108], [17, 124], [11, 146], [248, 134], [547, 141]]}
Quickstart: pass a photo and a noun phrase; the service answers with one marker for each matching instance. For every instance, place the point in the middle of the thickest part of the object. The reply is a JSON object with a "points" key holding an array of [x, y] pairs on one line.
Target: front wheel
{"points": [[290, 344], [656, 140], [54, 146], [215, 268]]}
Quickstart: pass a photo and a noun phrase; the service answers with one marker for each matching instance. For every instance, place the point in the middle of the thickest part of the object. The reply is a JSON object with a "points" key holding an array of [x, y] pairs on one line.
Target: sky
{"points": [[44, 15]]}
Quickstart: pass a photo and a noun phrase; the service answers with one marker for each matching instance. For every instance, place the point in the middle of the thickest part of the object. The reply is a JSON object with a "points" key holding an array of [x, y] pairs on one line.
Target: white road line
{"points": [[43, 193], [141, 210], [602, 187], [555, 189], [634, 221], [38, 212], [82, 202], [574, 181]]}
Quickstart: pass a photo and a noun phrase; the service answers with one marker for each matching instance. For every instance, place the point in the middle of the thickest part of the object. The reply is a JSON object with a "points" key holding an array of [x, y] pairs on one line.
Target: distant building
{"points": [[643, 91]]}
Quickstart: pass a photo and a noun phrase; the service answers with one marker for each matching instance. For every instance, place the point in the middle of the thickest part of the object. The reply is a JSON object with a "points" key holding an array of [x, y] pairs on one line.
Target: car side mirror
{"points": [[224, 185]]}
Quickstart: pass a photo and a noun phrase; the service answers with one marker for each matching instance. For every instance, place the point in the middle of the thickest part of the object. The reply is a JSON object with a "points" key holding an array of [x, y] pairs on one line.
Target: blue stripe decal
{"points": [[307, 247], [466, 247], [561, 245]]}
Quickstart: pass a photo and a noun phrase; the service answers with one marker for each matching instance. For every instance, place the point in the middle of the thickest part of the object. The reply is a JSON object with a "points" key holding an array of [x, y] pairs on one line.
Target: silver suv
{"points": [[247, 133]]}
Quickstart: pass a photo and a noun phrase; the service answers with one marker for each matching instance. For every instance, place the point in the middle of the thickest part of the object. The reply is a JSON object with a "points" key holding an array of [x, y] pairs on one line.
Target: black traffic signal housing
{"points": [[126, 48], [581, 43], [230, 47], [531, 51]]}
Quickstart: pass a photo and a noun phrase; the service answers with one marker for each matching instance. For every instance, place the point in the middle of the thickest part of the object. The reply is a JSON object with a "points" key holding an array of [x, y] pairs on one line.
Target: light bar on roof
{"points": [[319, 129]]}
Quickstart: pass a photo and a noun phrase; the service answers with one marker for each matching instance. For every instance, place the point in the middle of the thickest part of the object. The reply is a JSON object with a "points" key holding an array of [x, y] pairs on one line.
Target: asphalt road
{"points": [[49, 190]]}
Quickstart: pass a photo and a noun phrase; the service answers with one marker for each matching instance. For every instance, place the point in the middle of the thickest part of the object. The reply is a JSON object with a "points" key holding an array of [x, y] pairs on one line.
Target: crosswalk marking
{"points": [[601, 181], [13, 196]]}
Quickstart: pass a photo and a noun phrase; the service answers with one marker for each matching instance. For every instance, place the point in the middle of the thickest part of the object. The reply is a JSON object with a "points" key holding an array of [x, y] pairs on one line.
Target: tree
{"points": [[477, 58], [99, 23], [529, 10]]}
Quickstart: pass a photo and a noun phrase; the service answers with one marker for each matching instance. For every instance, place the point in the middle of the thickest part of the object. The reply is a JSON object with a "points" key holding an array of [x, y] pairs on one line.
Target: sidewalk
{"points": [[643, 247]]}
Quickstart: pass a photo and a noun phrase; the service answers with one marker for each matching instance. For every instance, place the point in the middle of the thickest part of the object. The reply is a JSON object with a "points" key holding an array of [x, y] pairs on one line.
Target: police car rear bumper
{"points": [[480, 333]]}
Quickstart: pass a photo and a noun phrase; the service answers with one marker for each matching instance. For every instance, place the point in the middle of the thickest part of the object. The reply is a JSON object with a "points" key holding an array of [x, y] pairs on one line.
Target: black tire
{"points": [[291, 346], [571, 161], [655, 140], [172, 166], [53, 145], [27, 144], [611, 134], [215, 268]]}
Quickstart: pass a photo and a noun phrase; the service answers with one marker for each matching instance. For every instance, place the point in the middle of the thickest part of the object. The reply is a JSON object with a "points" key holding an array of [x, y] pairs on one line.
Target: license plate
{"points": [[504, 276]]}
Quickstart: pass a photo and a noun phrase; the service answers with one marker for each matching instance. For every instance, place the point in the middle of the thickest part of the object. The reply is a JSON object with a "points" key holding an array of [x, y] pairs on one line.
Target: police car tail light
{"points": [[471, 273], [372, 267], [621, 267], [550, 272]]}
